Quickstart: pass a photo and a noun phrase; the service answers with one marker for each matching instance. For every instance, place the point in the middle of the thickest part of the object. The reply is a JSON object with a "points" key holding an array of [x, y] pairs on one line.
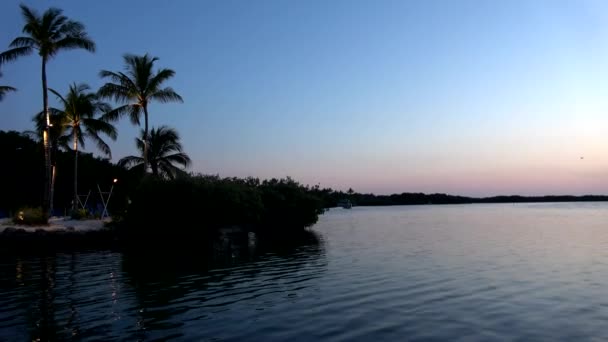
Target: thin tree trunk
{"points": [[47, 202], [75, 169], [145, 139], [53, 177]]}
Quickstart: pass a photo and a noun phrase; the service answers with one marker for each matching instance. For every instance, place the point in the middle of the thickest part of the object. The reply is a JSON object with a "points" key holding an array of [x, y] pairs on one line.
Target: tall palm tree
{"points": [[47, 34], [82, 117], [164, 153], [136, 88], [5, 89]]}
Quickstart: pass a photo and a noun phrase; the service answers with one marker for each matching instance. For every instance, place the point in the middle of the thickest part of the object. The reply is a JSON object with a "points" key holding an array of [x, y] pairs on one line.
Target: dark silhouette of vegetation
{"points": [[196, 208], [164, 153], [80, 118], [21, 181], [136, 88], [332, 198], [48, 34], [5, 89]]}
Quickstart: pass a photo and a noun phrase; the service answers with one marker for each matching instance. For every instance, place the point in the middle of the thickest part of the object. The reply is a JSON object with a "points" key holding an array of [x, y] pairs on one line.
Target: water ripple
{"points": [[425, 273]]}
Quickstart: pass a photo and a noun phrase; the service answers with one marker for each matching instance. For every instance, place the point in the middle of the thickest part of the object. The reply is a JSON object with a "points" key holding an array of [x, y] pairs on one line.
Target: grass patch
{"points": [[31, 217]]}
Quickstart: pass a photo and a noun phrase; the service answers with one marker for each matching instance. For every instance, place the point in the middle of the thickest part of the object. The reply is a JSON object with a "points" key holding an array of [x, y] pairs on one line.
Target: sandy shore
{"points": [[58, 223]]}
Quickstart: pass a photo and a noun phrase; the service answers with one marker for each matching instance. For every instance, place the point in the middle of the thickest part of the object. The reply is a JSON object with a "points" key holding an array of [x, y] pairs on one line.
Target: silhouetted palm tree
{"points": [[136, 87], [81, 117], [164, 152], [5, 89], [47, 34]]}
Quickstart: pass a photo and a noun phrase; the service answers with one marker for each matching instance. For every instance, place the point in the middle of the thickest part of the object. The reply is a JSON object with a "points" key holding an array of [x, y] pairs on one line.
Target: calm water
{"points": [[471, 272]]}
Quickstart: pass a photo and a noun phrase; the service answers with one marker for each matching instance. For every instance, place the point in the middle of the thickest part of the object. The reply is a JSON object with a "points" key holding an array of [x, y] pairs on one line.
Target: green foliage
{"points": [[80, 117], [79, 214], [198, 206], [288, 205], [5, 89], [31, 216], [22, 178], [138, 86], [165, 151]]}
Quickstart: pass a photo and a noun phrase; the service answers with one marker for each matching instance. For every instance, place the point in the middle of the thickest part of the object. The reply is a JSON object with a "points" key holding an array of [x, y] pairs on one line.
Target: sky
{"points": [[462, 97]]}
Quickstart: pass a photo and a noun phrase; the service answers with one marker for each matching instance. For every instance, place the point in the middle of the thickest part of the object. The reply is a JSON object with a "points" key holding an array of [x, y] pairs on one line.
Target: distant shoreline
{"points": [[422, 199]]}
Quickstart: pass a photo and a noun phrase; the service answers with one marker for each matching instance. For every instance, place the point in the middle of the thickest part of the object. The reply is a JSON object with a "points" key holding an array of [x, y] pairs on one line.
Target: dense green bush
{"points": [[198, 206], [31, 216], [79, 214], [287, 206]]}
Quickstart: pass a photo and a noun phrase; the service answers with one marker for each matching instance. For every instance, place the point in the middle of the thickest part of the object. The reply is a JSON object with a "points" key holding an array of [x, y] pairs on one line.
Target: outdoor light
{"points": [[115, 180]]}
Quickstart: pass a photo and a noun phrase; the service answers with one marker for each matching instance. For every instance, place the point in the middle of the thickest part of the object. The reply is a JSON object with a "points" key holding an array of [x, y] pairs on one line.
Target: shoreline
{"points": [[57, 223]]}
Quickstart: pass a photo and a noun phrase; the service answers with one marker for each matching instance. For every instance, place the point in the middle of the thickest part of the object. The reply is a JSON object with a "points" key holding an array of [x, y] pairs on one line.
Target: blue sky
{"points": [[466, 97]]}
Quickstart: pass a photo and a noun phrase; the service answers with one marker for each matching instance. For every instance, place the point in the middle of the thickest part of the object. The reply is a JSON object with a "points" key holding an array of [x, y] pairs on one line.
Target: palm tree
{"points": [[136, 88], [82, 117], [47, 34], [5, 89], [164, 152]]}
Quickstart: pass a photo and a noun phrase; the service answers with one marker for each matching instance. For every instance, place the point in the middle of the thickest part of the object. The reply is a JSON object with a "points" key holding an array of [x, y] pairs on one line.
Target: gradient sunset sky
{"points": [[463, 97]]}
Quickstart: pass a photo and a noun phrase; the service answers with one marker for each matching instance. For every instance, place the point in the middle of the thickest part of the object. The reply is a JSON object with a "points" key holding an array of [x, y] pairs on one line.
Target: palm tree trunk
{"points": [[75, 170], [53, 177], [47, 202], [145, 139], [154, 168]]}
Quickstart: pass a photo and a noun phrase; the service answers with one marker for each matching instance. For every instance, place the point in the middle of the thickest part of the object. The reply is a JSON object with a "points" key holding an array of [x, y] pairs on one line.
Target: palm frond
{"points": [[178, 158], [4, 90], [79, 135], [23, 42], [163, 143], [161, 76], [59, 96], [116, 92], [130, 161], [80, 41], [167, 169], [139, 143], [166, 95], [13, 54], [135, 112], [84, 116], [55, 27], [63, 142], [113, 76], [49, 17], [99, 126], [57, 119], [101, 145], [72, 28]]}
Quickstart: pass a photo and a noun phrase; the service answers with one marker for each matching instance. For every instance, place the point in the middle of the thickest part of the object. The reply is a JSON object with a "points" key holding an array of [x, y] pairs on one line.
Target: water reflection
{"points": [[141, 296], [475, 272], [183, 292]]}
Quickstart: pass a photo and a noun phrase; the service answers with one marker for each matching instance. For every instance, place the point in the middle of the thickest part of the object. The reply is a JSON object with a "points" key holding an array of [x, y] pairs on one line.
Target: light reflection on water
{"points": [[471, 272]]}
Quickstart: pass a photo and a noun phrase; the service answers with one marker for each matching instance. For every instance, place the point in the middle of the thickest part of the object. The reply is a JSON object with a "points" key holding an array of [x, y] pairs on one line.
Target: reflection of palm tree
{"points": [[164, 152], [5, 89], [79, 118], [48, 34], [137, 87]]}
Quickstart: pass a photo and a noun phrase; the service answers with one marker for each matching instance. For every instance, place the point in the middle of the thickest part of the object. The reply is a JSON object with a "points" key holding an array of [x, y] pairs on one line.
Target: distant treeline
{"points": [[331, 198]]}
